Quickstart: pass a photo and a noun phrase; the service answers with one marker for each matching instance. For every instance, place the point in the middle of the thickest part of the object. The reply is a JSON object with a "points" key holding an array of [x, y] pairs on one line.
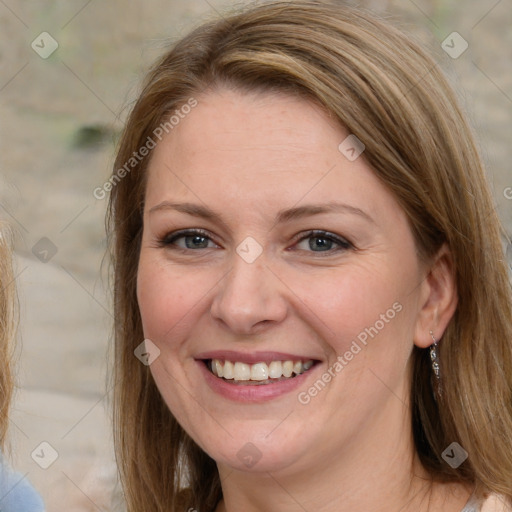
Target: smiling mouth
{"points": [[257, 374]]}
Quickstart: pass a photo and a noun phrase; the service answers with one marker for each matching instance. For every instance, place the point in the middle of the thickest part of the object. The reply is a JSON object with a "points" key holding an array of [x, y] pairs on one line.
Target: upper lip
{"points": [[252, 357]]}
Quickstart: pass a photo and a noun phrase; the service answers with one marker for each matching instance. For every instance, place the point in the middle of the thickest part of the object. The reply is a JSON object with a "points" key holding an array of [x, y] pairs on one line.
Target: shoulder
{"points": [[495, 503], [16, 493]]}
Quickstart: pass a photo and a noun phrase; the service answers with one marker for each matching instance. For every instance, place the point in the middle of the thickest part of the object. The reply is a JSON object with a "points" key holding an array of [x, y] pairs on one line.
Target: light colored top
{"points": [[493, 503], [16, 493]]}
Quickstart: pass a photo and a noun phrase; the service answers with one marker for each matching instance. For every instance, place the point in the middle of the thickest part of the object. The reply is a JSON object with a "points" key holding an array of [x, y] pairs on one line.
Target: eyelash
{"points": [[343, 245]]}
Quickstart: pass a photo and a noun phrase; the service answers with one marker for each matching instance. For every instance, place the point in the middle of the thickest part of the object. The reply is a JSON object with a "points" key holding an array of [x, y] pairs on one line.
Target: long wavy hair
{"points": [[8, 322], [381, 86]]}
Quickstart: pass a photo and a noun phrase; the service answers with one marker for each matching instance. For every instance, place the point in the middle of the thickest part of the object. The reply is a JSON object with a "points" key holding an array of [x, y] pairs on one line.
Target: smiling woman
{"points": [[318, 226]]}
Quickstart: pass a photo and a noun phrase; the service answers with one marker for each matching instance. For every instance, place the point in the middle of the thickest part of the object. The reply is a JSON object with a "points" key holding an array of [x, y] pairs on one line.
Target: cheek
{"points": [[349, 301], [172, 300], [165, 299], [366, 315]]}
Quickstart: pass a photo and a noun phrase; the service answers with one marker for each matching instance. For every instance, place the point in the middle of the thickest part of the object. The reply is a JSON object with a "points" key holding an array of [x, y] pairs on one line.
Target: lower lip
{"points": [[248, 393]]}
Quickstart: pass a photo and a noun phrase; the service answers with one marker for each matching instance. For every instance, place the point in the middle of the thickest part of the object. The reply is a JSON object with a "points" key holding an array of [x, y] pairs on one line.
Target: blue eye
{"points": [[322, 241], [191, 239]]}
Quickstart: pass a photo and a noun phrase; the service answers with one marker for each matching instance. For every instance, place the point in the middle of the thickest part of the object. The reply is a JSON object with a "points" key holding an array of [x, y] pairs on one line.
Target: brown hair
{"points": [[7, 328], [383, 88]]}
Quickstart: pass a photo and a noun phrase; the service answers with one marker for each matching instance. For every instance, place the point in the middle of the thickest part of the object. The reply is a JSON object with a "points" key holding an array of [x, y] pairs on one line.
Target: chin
{"points": [[259, 452]]}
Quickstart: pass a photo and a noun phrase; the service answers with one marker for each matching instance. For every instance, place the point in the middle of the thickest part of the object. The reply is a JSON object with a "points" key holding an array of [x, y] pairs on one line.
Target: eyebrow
{"points": [[283, 216]]}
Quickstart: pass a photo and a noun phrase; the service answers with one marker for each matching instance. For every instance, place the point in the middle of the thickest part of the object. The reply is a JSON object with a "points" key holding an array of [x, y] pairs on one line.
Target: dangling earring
{"points": [[436, 368]]}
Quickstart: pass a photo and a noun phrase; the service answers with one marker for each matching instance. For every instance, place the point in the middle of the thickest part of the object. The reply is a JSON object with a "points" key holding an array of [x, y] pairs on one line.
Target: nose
{"points": [[249, 298]]}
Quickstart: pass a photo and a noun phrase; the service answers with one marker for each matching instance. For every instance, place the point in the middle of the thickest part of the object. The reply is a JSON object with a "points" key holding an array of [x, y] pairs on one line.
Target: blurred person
{"points": [[16, 493], [311, 299]]}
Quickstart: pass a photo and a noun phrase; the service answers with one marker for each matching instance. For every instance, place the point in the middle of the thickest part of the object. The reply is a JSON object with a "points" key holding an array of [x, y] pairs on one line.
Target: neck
{"points": [[271, 495], [376, 484]]}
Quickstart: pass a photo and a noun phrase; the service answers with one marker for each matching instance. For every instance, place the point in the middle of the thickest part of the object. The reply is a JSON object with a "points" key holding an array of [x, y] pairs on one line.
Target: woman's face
{"points": [[268, 251]]}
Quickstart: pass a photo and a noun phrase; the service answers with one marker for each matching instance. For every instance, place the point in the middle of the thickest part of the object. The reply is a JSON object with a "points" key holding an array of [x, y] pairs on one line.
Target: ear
{"points": [[438, 299]]}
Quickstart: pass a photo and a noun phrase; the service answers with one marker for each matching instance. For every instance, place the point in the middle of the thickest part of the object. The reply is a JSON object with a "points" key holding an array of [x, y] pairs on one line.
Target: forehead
{"points": [[263, 148], [262, 122]]}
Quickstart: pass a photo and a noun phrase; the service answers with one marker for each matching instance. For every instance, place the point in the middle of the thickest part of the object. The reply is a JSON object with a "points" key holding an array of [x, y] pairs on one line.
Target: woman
{"points": [[16, 494], [304, 238]]}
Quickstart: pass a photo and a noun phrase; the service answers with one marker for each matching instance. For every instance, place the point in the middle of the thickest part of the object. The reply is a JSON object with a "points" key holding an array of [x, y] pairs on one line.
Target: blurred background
{"points": [[68, 74]]}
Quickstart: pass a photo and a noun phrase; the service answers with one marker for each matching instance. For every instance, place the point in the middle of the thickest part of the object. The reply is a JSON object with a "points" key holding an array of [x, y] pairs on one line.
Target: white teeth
{"points": [[242, 371], [287, 368], [297, 368], [228, 370], [260, 371], [275, 369], [218, 368]]}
